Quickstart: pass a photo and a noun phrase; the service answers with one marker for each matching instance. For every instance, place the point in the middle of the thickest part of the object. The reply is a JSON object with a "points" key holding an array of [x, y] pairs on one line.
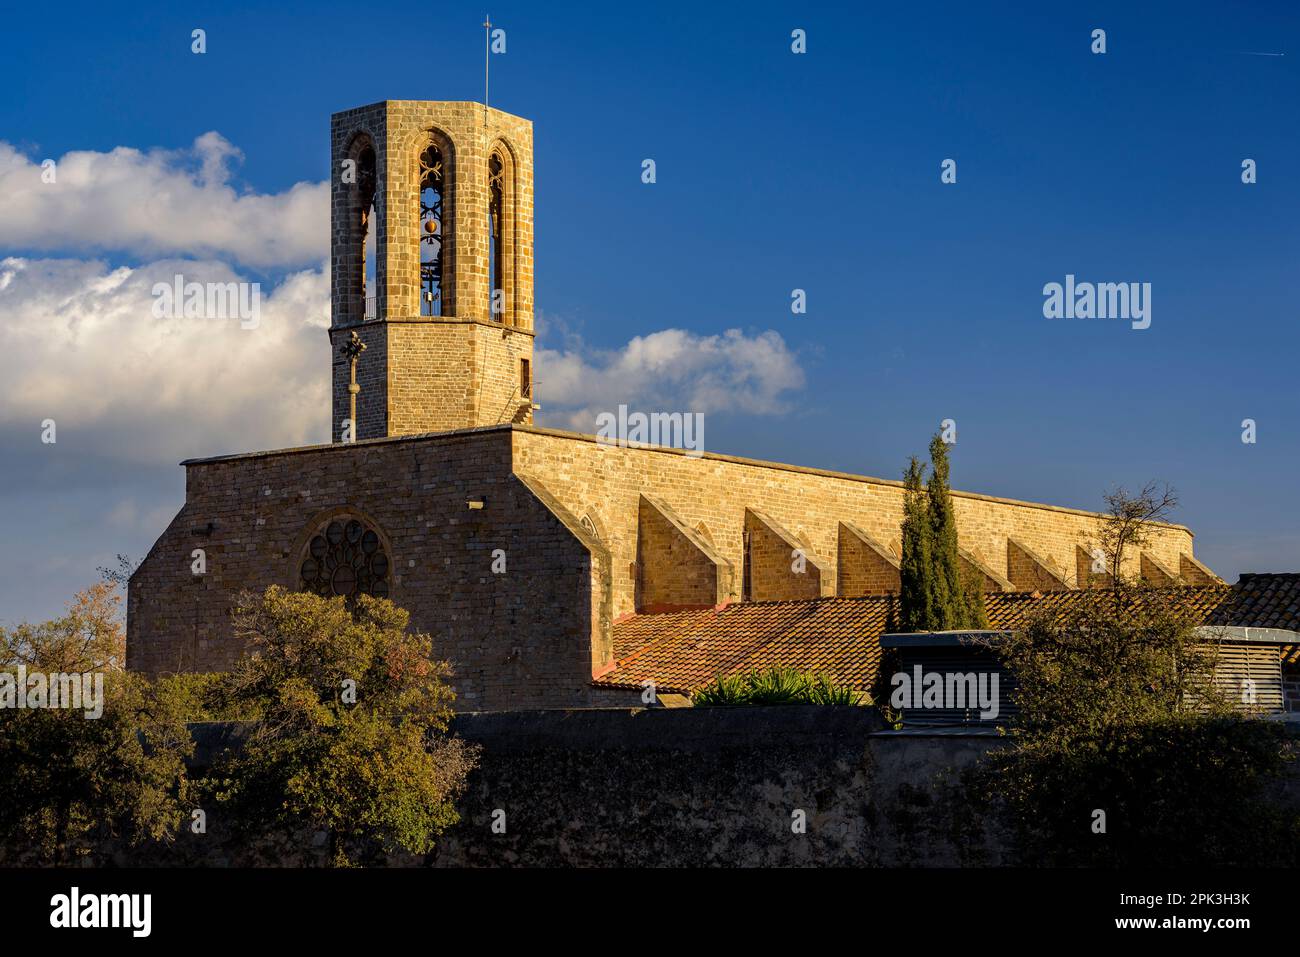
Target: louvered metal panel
{"points": [[1236, 664], [1251, 676], [957, 662]]}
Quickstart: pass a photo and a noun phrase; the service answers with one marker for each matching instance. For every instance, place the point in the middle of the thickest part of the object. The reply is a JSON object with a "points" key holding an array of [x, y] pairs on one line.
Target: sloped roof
{"points": [[681, 651], [684, 650], [1263, 601]]}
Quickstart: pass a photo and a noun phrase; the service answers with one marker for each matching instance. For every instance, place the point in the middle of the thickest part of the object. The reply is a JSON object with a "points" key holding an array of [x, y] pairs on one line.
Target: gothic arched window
{"points": [[366, 194], [356, 284], [433, 191], [496, 246], [345, 558]]}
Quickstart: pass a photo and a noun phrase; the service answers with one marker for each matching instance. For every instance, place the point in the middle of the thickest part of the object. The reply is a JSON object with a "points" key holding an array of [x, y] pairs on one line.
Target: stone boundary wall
{"points": [[690, 787], [714, 787]]}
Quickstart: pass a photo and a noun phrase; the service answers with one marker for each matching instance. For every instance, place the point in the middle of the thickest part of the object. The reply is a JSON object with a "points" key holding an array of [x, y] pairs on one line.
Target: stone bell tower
{"points": [[432, 266]]}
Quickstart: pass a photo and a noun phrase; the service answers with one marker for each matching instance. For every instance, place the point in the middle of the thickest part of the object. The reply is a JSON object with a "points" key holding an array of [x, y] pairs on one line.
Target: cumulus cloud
{"points": [[80, 344], [157, 203], [673, 371]]}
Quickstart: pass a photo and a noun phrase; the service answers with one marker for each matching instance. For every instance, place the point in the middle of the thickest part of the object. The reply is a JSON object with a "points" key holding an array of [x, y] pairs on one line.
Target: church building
{"points": [[523, 551]]}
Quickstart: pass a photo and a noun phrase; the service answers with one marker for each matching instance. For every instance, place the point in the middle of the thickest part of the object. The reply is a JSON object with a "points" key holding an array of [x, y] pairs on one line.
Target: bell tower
{"points": [[432, 266]]}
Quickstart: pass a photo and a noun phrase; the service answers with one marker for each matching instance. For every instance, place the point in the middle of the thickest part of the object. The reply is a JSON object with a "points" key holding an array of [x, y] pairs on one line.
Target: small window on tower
{"points": [[525, 379]]}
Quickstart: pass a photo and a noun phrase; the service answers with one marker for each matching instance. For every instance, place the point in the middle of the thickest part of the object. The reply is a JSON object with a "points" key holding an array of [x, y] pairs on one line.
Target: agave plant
{"points": [[776, 686], [724, 690]]}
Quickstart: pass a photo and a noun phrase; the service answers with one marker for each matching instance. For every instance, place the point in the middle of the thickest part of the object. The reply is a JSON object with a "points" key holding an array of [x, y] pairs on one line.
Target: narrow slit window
{"points": [[366, 228], [525, 379]]}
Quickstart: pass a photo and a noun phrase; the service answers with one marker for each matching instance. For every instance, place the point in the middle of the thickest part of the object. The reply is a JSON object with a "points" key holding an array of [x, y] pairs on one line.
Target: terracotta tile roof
{"points": [[1263, 601], [684, 650], [1007, 610], [1266, 601]]}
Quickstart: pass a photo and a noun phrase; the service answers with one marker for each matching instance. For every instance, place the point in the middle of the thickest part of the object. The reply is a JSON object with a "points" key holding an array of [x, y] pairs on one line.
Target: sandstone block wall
{"points": [[864, 566], [780, 565], [714, 492], [521, 639], [675, 568]]}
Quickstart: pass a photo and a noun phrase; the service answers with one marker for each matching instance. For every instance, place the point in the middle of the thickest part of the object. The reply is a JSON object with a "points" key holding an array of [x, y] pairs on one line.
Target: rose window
{"points": [[347, 559]]}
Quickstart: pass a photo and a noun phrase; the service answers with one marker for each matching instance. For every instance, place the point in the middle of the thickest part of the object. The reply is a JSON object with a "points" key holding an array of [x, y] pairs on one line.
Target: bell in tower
{"points": [[431, 192], [444, 305]]}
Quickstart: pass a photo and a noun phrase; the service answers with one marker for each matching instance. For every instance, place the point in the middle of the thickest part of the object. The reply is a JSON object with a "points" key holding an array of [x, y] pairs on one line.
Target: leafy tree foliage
{"points": [[351, 736], [70, 782], [1125, 751]]}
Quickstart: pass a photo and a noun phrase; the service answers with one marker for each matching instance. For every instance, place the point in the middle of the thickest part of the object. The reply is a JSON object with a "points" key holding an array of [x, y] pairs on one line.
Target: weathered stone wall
{"points": [[519, 639], [863, 567], [712, 787], [781, 566], [690, 787], [714, 491], [674, 568]]}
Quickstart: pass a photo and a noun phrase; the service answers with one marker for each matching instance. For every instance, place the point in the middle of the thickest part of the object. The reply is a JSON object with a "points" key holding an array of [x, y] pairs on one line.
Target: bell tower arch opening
{"points": [[434, 234]]}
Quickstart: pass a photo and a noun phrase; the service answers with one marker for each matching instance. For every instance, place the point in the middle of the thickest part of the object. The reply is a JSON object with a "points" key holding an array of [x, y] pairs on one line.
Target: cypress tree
{"points": [[916, 609], [945, 582], [976, 617]]}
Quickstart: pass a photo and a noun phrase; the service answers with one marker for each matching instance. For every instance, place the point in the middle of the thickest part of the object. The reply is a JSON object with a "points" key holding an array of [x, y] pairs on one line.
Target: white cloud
{"points": [[79, 344], [672, 370], [158, 203]]}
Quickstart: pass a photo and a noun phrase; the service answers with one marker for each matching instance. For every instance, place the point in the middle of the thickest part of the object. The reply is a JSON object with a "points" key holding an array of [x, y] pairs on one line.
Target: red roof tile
{"points": [[684, 650]]}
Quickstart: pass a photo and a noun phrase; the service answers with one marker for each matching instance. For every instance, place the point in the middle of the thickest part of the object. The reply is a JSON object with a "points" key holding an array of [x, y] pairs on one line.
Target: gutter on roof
{"points": [[940, 639], [1267, 636]]}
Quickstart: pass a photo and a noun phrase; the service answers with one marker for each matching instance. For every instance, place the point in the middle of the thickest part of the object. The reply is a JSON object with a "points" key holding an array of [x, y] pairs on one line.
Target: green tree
{"points": [[946, 575], [1119, 713], [915, 594], [935, 594], [973, 588], [351, 736], [73, 780]]}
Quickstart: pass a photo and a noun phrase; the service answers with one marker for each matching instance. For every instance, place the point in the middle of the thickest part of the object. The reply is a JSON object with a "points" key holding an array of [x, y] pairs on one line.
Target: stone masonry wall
{"points": [[781, 567], [862, 570], [447, 374], [520, 639], [714, 490], [690, 787], [672, 572]]}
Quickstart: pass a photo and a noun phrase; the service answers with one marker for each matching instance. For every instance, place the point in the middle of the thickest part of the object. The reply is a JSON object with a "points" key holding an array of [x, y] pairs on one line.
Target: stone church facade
{"points": [[516, 547]]}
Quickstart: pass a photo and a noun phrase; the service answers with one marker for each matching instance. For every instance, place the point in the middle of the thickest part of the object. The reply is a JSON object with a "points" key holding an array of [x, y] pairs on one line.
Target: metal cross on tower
{"points": [[352, 350], [487, 58]]}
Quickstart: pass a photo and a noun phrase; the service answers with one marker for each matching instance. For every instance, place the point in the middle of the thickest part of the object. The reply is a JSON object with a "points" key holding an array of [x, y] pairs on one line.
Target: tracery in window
{"points": [[345, 558]]}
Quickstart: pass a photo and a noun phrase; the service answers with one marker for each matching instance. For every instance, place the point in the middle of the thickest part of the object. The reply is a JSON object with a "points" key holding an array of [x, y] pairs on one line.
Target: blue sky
{"points": [[776, 171]]}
